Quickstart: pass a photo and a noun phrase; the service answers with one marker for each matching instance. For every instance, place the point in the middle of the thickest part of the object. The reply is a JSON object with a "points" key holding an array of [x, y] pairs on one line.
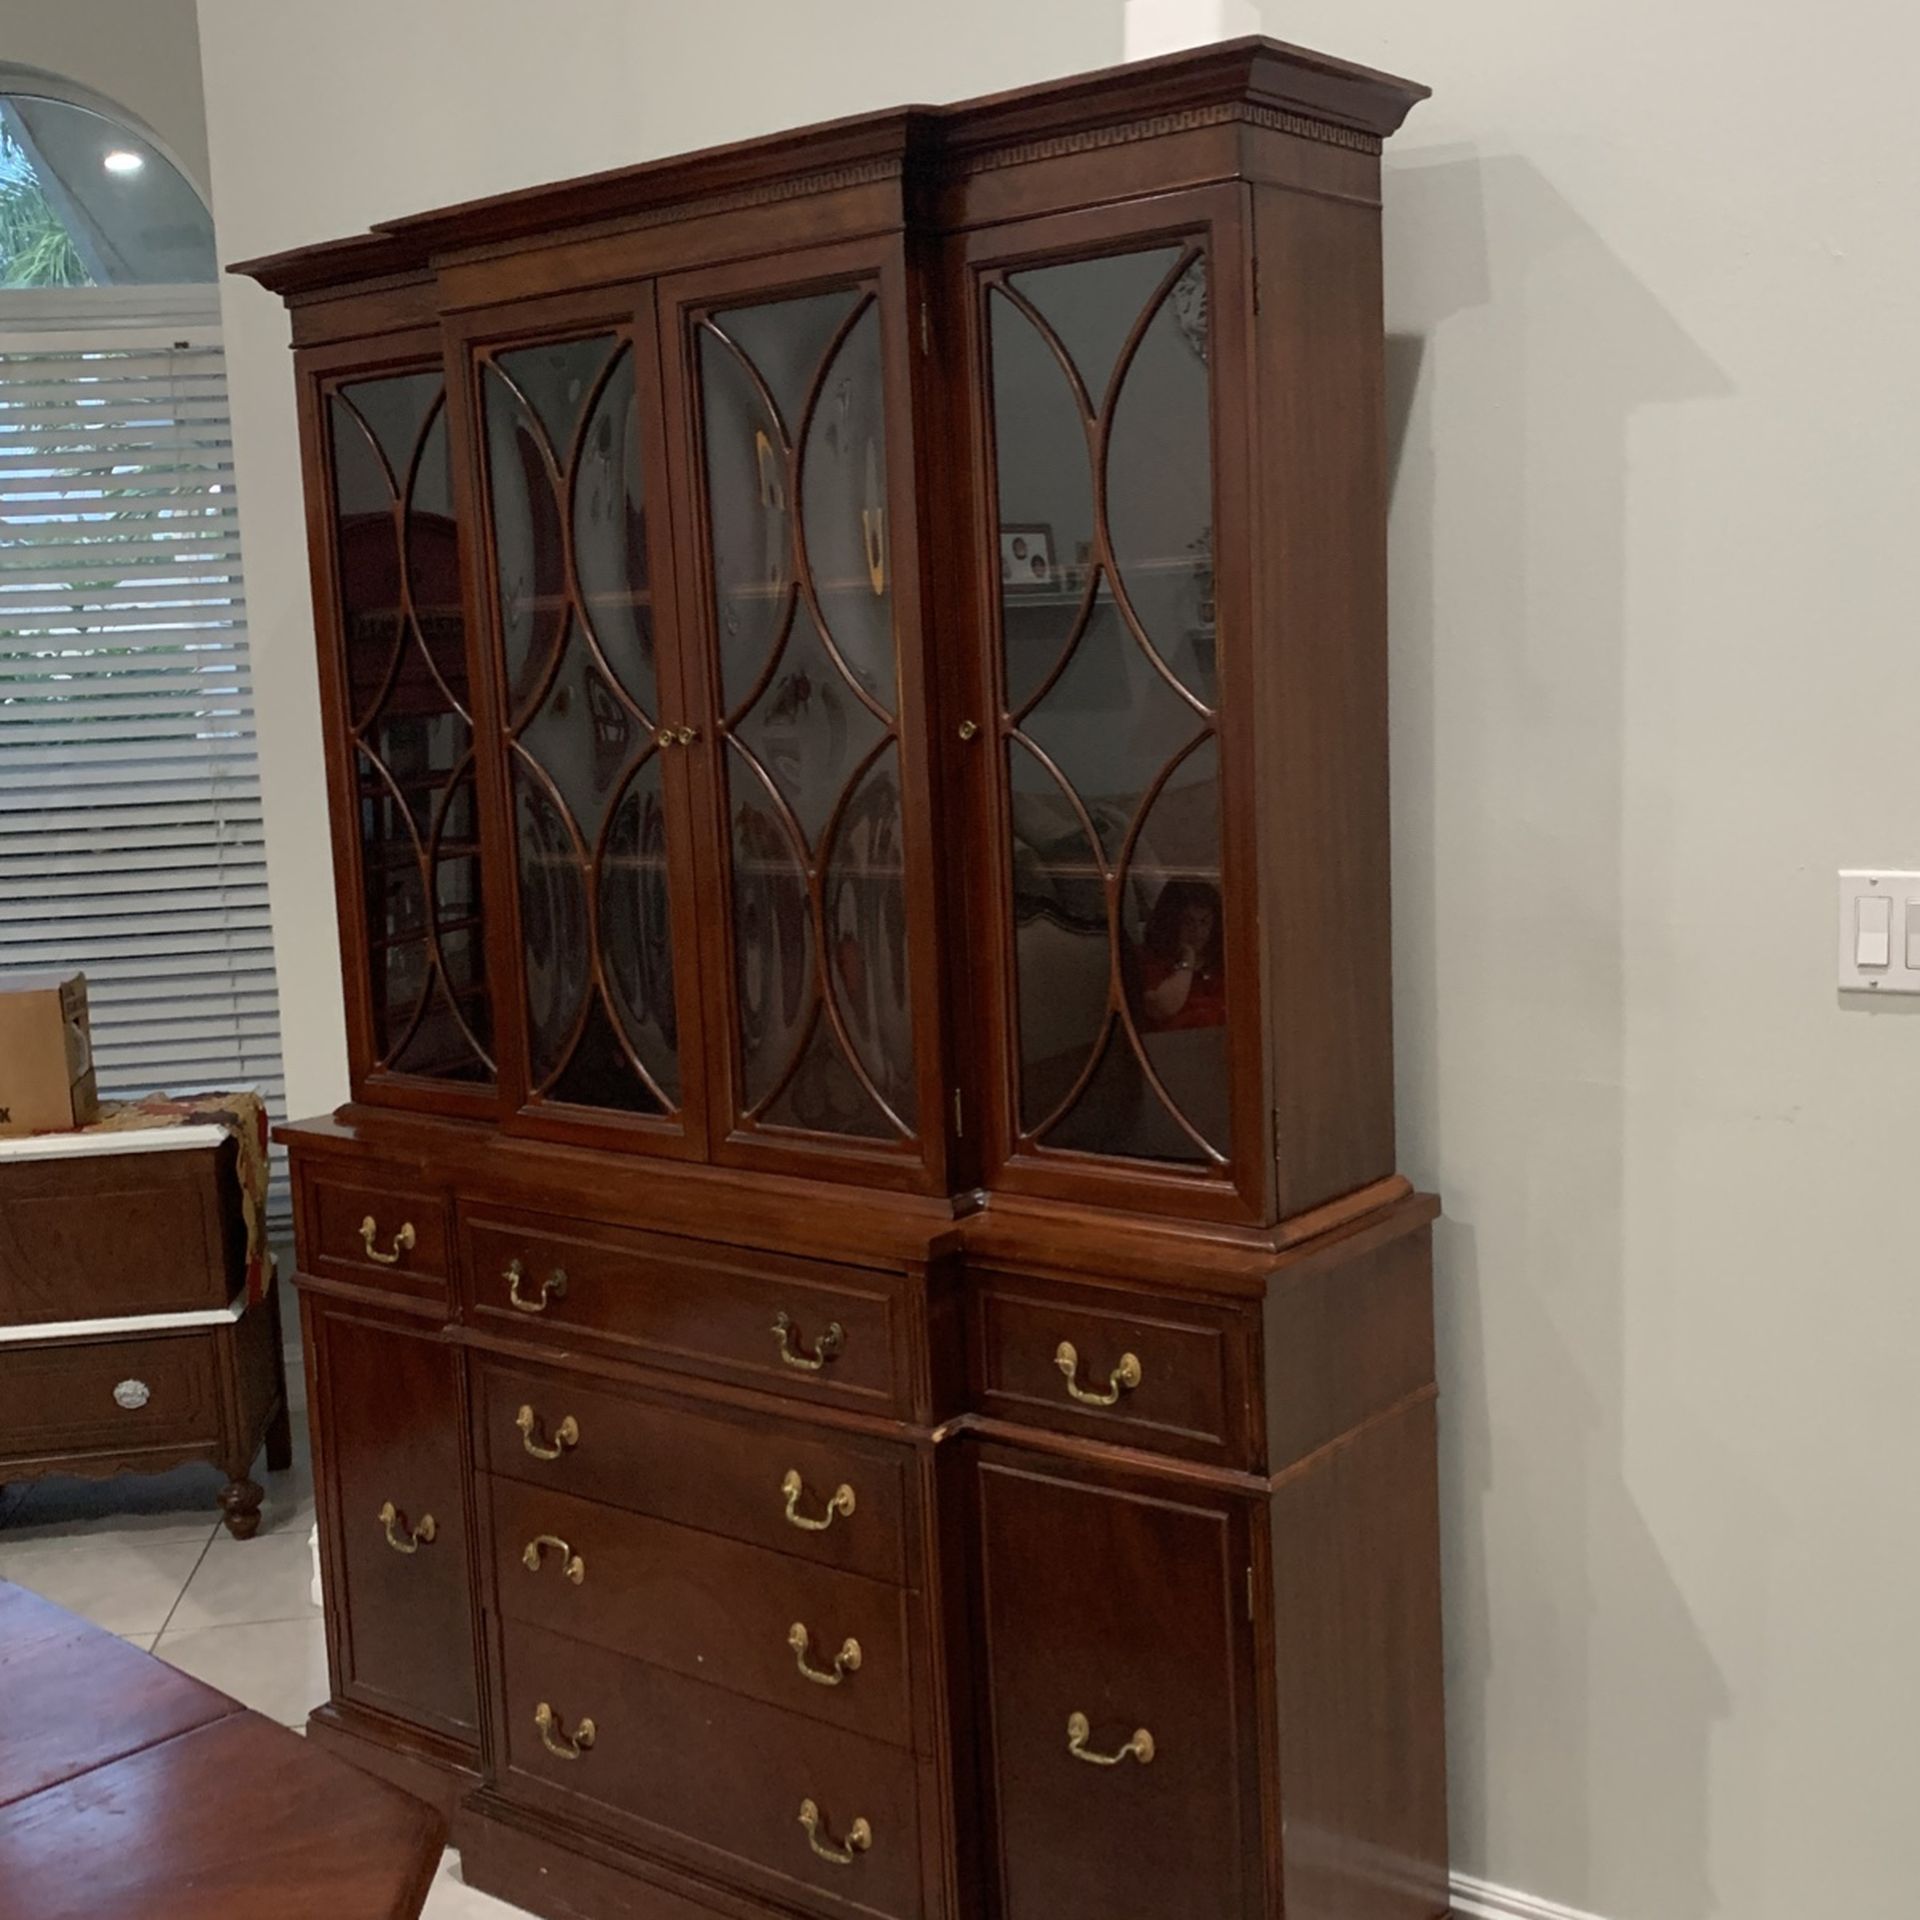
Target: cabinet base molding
{"points": [[526, 1860], [414, 1761], [1482, 1900]]}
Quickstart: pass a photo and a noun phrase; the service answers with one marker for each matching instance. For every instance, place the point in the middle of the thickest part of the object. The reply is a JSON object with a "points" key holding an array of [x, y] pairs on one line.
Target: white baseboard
{"points": [[1482, 1900]]}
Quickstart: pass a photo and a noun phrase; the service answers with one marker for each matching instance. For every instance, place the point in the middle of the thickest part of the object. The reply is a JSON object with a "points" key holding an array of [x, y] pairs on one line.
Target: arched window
{"points": [[88, 199], [130, 834]]}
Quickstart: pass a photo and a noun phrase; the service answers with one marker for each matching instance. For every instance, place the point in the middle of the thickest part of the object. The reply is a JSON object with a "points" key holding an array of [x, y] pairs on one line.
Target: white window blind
{"points": [[130, 831]]}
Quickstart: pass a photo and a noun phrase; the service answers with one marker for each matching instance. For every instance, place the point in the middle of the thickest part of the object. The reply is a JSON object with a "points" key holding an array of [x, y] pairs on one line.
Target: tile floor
{"points": [[149, 1560]]}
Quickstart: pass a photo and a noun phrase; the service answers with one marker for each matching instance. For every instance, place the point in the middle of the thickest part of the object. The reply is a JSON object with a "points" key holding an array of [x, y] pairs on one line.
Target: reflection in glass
{"points": [[397, 583], [576, 624], [1109, 687], [794, 436]]}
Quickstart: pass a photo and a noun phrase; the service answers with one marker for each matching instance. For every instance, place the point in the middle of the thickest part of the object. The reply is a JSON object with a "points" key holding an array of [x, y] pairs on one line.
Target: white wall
{"points": [[143, 55], [1651, 280]]}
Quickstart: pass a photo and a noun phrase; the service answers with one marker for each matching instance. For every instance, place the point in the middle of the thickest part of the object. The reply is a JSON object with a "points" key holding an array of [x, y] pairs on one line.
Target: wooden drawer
{"points": [[747, 1476], [388, 1433], [768, 1320], [706, 1607], [715, 1778], [111, 1397], [394, 1237], [1168, 1374], [1113, 1610], [93, 1237]]}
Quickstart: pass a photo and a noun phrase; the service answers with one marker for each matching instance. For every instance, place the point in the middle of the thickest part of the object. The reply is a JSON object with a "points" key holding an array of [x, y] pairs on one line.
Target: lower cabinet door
{"points": [[1120, 1731], [388, 1435]]}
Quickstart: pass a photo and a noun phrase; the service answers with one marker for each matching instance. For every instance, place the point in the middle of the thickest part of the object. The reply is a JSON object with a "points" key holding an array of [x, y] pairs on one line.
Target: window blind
{"points": [[130, 825]]}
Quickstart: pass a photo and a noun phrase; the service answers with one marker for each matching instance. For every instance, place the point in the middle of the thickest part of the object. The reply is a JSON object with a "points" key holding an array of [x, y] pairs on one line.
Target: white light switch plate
{"points": [[1879, 931]]}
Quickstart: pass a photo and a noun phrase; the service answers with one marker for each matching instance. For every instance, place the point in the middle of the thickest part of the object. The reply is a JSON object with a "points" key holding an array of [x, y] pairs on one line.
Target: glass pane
{"points": [[825, 1095], [566, 473], [809, 730], [405, 655], [750, 527], [785, 342], [1046, 500], [366, 557], [1091, 307], [636, 933], [529, 555], [795, 422], [90, 201], [610, 538], [772, 938], [1120, 1113], [1174, 969], [1159, 485], [866, 909], [1134, 759], [553, 924], [843, 504], [1109, 724], [433, 562]]}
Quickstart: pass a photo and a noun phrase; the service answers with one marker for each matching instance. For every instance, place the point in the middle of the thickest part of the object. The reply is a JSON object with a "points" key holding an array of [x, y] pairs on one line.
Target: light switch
{"points": [[1873, 930], [1879, 931]]}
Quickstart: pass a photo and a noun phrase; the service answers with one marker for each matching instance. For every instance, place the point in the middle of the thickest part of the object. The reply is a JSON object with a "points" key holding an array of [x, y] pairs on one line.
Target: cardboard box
{"points": [[46, 1054]]}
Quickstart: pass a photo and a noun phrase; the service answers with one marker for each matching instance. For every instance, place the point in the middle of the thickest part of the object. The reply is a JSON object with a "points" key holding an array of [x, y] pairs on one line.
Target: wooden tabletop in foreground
{"points": [[128, 1788]]}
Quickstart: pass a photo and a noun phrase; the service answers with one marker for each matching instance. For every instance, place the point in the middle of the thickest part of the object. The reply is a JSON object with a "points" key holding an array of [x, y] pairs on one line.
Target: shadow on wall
{"points": [[1582, 1697]]}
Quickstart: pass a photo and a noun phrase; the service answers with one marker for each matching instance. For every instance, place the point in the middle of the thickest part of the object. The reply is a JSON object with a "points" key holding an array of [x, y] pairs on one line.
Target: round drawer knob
{"points": [[132, 1395]]}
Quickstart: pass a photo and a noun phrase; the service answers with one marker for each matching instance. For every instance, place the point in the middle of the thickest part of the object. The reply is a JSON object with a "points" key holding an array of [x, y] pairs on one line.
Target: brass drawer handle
{"points": [[403, 1242], [859, 1837], [565, 1435], [829, 1344], [553, 1287], [571, 1563], [421, 1536], [1140, 1747], [839, 1507], [1123, 1379], [558, 1744], [846, 1661]]}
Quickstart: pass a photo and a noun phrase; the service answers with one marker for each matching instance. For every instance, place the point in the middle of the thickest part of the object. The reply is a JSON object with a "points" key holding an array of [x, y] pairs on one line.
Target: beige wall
{"points": [[1651, 281], [143, 55]]}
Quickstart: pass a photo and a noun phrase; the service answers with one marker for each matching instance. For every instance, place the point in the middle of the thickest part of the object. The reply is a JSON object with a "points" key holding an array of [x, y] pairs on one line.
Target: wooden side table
{"points": [[126, 1341], [129, 1789]]}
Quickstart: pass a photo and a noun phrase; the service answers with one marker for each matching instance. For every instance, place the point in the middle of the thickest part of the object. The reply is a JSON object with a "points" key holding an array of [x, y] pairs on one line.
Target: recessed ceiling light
{"points": [[121, 161]]}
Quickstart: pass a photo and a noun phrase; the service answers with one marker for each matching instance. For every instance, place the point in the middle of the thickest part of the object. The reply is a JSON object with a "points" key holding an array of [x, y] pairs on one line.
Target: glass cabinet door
{"points": [[590, 788], [793, 435], [1099, 404], [408, 721]]}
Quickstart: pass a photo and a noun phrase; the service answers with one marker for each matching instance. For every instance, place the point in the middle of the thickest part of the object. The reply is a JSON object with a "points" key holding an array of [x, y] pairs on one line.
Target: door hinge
{"points": [[959, 1115], [926, 329], [1249, 1593]]}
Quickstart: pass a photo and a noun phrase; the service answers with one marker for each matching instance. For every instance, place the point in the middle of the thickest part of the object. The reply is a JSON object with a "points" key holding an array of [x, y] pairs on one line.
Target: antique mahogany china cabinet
{"points": [[868, 1355]]}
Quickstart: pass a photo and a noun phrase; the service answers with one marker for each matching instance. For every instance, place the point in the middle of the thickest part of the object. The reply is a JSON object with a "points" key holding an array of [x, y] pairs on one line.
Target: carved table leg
{"points": [[240, 1502], [280, 1440]]}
